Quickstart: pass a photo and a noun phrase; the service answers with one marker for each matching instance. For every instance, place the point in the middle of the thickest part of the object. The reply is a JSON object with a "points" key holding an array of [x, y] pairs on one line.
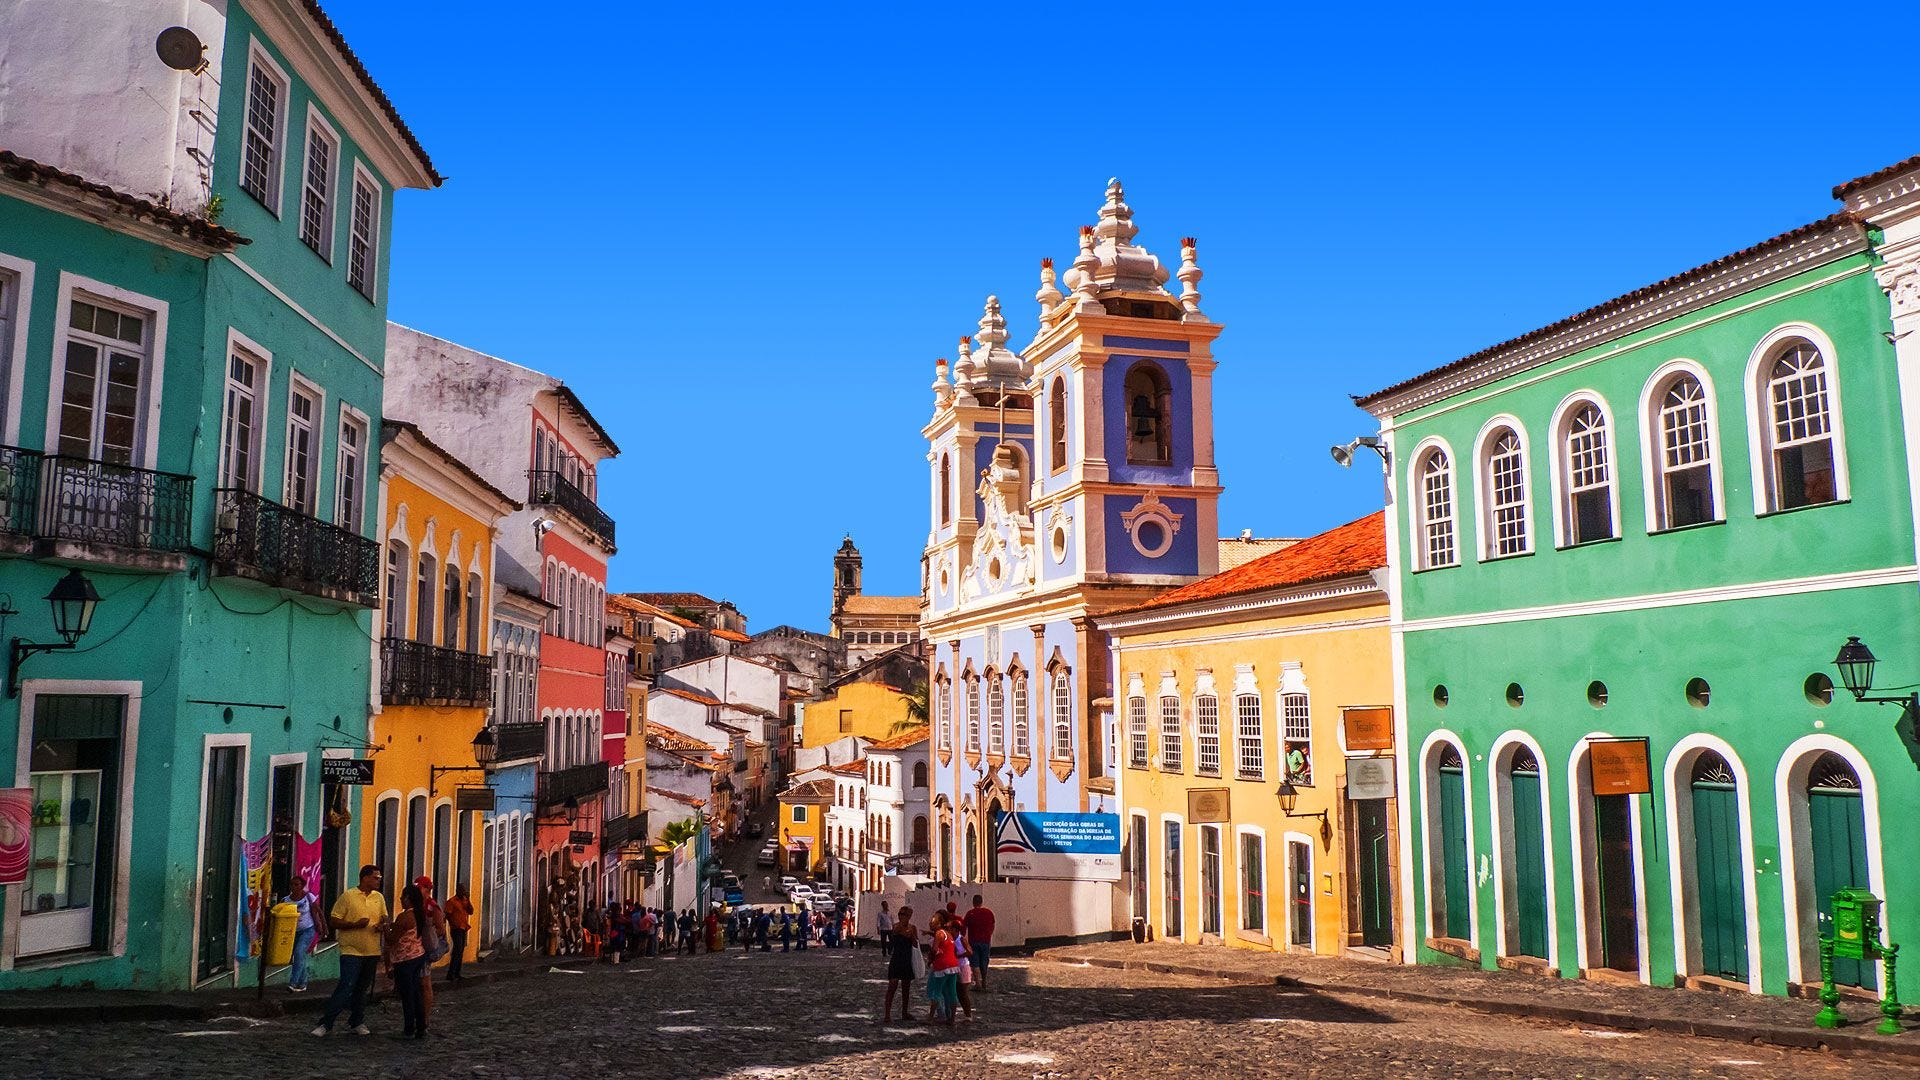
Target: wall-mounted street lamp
{"points": [[484, 751], [1343, 455], [73, 599], [1856, 662], [1290, 797]]}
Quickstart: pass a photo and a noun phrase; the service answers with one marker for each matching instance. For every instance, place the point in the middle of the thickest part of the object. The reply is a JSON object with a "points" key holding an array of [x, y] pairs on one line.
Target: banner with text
{"points": [[1067, 846]]}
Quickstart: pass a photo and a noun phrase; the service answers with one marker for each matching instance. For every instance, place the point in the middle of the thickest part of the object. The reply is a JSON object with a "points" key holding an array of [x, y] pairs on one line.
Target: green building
{"points": [[194, 228], [1658, 520]]}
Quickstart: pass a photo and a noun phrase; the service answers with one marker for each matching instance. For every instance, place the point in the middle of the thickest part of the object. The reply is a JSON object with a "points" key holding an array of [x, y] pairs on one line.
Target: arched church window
{"points": [[946, 489], [1057, 424], [1149, 409]]}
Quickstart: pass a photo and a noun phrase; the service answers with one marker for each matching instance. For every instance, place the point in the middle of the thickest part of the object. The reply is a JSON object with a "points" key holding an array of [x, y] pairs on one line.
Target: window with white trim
{"points": [[1435, 509], [317, 190], [1684, 494], [303, 450], [1137, 732], [944, 707], [450, 606], [350, 473], [396, 585], [1799, 429], [363, 237], [1062, 717], [103, 384], [266, 119], [423, 595], [973, 714], [1170, 733], [1211, 880], [996, 715], [1587, 473], [1206, 734], [1249, 739], [1296, 740], [1506, 496], [240, 429], [1253, 882], [1022, 726], [9, 318]]}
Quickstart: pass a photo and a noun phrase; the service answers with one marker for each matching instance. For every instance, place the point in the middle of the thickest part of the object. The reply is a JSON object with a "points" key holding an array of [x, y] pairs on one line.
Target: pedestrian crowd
{"points": [[951, 952], [404, 944]]}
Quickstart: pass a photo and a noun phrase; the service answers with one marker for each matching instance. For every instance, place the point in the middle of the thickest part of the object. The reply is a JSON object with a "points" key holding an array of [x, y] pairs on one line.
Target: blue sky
{"points": [[745, 236]]}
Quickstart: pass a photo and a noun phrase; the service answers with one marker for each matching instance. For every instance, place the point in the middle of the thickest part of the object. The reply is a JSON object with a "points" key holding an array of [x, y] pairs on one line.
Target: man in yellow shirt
{"points": [[359, 917]]}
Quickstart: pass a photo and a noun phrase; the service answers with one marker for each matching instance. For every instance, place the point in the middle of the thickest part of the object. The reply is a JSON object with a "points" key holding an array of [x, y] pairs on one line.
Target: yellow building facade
{"points": [[803, 817], [433, 677], [869, 710], [1249, 709]]}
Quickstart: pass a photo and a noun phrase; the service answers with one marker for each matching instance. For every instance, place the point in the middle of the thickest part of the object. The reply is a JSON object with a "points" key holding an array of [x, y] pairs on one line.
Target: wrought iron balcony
{"points": [[261, 539], [61, 498], [620, 831], [550, 488], [415, 673], [579, 782], [19, 489], [517, 742]]}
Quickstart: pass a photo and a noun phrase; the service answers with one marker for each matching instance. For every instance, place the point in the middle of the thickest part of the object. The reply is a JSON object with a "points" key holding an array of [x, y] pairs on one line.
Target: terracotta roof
{"points": [[366, 79], [730, 635], [676, 599], [813, 789], [901, 741], [572, 401], [674, 740], [882, 605], [688, 695], [1241, 550], [193, 227], [1843, 190], [676, 796], [388, 423], [1826, 223], [726, 727], [1353, 548], [849, 768]]}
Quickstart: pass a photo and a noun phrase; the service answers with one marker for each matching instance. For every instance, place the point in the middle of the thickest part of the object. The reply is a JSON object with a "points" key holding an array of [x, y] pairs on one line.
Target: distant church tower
{"points": [[846, 575]]}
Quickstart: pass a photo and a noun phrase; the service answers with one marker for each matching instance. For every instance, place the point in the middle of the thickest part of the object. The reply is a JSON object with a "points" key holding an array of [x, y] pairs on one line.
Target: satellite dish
{"points": [[181, 50]]}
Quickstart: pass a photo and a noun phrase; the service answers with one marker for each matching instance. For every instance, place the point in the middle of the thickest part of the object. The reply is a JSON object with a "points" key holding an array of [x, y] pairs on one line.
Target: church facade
{"points": [[1067, 479]]}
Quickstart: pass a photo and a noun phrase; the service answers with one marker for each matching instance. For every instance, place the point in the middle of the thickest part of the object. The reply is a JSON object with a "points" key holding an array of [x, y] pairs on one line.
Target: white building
{"points": [[899, 808], [846, 825]]}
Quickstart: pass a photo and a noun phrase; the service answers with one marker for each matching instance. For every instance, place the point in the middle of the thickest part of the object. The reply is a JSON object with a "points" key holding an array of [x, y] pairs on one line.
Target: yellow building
{"points": [[803, 816], [434, 677], [626, 827], [871, 710], [1250, 709]]}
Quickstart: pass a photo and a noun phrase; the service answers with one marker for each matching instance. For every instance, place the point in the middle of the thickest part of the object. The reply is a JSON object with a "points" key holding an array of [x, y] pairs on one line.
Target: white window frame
{"points": [[1138, 745], [239, 343], [362, 175], [1022, 716], [1217, 911], [258, 61], [1653, 471], [1420, 520], [1247, 747], [316, 431], [1061, 736], [944, 686], [1486, 491], [329, 200], [16, 304], [1241, 834], [1561, 475], [1760, 437], [354, 519], [1206, 743], [996, 713], [153, 368], [1172, 759]]}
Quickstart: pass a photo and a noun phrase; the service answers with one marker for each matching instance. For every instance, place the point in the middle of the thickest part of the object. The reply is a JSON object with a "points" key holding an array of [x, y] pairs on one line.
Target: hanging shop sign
{"points": [[1370, 778], [1368, 729], [346, 770], [579, 838], [473, 797], [1209, 806], [1619, 766], [1083, 847]]}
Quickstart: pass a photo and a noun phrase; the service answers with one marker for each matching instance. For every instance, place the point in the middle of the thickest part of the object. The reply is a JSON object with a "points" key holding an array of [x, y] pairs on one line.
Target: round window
{"points": [[1698, 692], [1516, 697], [1440, 697], [1059, 543], [1819, 689], [944, 580], [1597, 694], [1151, 537]]}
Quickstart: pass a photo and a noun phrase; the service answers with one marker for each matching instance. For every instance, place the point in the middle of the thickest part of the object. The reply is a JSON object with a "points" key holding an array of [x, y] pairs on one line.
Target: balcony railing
{"points": [[551, 488], [576, 783], [263, 539], [414, 672], [517, 742], [56, 497], [626, 829]]}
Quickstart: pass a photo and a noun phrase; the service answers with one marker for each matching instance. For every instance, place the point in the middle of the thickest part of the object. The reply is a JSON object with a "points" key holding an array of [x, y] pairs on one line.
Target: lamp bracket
{"points": [[17, 655], [434, 772]]}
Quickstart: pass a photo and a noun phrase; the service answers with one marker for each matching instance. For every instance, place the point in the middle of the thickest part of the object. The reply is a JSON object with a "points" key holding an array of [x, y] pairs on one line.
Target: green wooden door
{"points": [[1376, 876], [1453, 846], [1837, 823], [1529, 859], [1718, 870]]}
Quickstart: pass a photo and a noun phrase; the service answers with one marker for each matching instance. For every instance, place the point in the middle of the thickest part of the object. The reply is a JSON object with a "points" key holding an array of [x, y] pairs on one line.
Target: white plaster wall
{"points": [[730, 680], [1024, 911], [82, 89]]}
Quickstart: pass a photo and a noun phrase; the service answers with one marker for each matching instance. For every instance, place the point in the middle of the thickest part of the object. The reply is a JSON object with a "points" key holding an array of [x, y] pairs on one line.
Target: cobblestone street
{"points": [[813, 1014]]}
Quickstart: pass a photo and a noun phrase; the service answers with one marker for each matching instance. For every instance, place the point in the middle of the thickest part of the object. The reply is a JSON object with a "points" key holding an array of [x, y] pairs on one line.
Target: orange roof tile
{"points": [[689, 695], [674, 740], [820, 790], [677, 797], [1353, 548], [849, 768], [730, 635], [901, 741]]}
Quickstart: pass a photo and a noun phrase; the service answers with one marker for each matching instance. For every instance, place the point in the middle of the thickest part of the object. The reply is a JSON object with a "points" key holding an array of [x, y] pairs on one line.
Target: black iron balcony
{"points": [[77, 500], [517, 742], [257, 538], [416, 673], [579, 782], [19, 489], [618, 832], [549, 488]]}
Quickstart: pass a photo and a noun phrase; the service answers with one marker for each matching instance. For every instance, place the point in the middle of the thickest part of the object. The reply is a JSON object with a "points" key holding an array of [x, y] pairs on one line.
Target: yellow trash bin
{"points": [[282, 921]]}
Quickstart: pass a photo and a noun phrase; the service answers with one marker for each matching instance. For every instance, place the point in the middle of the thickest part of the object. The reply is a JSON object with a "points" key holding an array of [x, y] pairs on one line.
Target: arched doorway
{"points": [[1837, 839], [1525, 857], [1607, 868], [973, 849], [1719, 870], [1451, 915]]}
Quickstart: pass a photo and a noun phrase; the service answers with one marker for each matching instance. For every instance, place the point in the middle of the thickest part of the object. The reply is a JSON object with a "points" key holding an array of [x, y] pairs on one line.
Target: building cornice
{"points": [[67, 193], [1353, 591]]}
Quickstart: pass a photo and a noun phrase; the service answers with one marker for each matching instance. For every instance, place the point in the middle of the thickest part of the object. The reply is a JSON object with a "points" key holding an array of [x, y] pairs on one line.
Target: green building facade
{"points": [[194, 326], [1658, 519]]}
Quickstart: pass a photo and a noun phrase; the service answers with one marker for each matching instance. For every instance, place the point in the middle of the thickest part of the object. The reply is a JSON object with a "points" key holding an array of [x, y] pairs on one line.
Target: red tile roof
{"points": [[1841, 191], [1353, 548], [914, 737], [195, 228], [819, 790], [730, 635], [849, 768], [674, 740], [689, 695], [676, 796], [360, 72]]}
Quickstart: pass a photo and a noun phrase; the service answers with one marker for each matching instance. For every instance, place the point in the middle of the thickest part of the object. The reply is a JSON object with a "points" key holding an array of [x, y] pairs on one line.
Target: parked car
{"points": [[766, 857], [729, 879], [800, 894], [733, 895], [787, 882], [754, 830]]}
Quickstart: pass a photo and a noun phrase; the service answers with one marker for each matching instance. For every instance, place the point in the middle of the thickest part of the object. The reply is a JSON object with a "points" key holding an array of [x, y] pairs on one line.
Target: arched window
{"points": [[1149, 410], [919, 774], [1137, 732], [1718, 878], [920, 835], [1448, 900], [1022, 733], [1520, 797], [973, 714], [1586, 475], [1683, 463], [1062, 717], [1504, 500], [1798, 428], [1433, 510], [946, 489], [996, 714], [1057, 425]]}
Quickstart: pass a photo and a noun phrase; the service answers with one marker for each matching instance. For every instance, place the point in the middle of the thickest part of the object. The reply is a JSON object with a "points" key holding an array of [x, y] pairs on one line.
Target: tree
{"points": [[680, 832], [918, 709]]}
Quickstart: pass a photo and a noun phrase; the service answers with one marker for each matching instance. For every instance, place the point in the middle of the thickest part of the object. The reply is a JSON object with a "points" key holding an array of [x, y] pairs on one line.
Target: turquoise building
{"points": [[1641, 535], [194, 230]]}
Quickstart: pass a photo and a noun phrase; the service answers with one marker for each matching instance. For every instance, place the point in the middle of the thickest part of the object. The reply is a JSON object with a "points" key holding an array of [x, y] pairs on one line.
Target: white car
{"points": [[788, 882], [800, 894]]}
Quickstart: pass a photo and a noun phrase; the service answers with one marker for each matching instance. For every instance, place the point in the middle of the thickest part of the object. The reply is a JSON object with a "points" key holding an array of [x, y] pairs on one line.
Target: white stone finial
{"points": [[1049, 295], [964, 376], [993, 326], [1081, 277], [942, 389], [1116, 217], [1190, 275]]}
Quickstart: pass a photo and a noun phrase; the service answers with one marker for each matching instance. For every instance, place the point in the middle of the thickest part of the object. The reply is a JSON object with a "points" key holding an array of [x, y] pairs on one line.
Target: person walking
{"points": [[763, 930], [943, 970], [689, 933], [963, 978], [979, 923], [433, 939], [459, 912], [407, 960], [713, 930], [884, 928], [786, 931], [666, 930], [312, 925], [650, 931], [359, 916], [904, 941], [804, 928]]}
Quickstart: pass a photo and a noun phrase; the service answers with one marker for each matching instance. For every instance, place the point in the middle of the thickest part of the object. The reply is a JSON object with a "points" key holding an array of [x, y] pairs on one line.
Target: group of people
{"points": [[632, 930], [406, 944], [953, 951]]}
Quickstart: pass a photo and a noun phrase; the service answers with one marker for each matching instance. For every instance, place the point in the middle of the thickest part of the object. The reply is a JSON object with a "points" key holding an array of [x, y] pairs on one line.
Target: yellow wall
{"points": [[876, 712], [814, 827], [408, 740], [1342, 664]]}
